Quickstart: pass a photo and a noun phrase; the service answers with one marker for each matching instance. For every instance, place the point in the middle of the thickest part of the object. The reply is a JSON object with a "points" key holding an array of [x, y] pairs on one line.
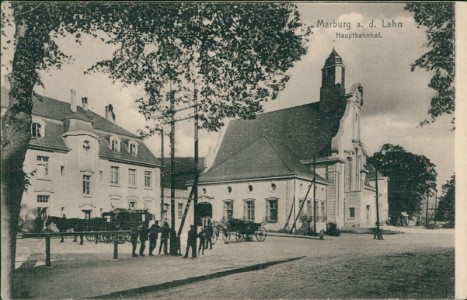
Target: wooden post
{"points": [[115, 249], [426, 213], [436, 205], [47, 250]]}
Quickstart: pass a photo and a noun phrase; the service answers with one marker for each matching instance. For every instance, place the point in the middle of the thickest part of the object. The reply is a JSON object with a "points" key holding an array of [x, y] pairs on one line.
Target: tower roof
{"points": [[333, 59]]}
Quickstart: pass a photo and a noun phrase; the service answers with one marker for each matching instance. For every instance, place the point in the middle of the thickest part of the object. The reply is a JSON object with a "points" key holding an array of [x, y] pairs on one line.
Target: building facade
{"points": [[262, 169], [82, 165]]}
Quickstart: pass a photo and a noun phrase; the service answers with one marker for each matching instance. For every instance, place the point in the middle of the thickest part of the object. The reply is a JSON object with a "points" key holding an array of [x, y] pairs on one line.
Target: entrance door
{"points": [[203, 210]]}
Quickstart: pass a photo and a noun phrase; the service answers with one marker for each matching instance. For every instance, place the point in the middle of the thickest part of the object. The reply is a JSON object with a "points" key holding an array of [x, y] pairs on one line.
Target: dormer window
{"points": [[133, 148], [37, 130], [114, 144]]}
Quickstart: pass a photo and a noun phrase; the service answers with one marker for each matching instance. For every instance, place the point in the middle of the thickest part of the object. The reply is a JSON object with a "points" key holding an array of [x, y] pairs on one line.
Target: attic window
{"points": [[37, 130], [114, 144], [229, 189], [133, 147], [86, 145], [250, 188]]}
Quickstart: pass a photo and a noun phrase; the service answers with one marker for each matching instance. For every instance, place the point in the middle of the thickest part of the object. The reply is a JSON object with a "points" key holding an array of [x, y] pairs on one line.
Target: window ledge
{"points": [[270, 221], [148, 188], [132, 187], [87, 196], [115, 184]]}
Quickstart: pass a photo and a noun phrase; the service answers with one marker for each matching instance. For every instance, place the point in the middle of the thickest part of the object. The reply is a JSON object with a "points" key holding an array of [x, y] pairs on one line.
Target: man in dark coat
{"points": [[209, 234], [191, 242], [164, 238], [153, 233], [202, 241], [143, 237], [134, 240]]}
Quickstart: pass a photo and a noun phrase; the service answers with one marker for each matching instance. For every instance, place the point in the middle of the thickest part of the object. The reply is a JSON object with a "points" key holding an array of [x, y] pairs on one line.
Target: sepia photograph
{"points": [[233, 150]]}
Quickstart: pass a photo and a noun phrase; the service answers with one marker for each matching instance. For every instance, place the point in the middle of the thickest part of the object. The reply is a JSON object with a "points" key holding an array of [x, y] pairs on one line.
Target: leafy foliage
{"points": [[410, 177], [447, 203], [438, 18], [233, 56]]}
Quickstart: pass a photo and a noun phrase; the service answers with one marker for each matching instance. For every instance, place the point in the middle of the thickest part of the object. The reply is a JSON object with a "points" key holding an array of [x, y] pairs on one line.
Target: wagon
{"points": [[244, 230]]}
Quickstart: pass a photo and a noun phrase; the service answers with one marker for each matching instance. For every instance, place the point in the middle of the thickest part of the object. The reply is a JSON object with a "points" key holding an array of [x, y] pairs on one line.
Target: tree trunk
{"points": [[16, 132]]}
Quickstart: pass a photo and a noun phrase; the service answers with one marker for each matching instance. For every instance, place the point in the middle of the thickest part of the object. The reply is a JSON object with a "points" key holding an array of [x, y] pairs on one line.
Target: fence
{"points": [[48, 235]]}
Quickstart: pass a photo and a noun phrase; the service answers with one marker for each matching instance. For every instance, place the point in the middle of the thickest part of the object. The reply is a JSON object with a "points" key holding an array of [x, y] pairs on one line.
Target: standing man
{"points": [[191, 242], [202, 240], [134, 240], [164, 238], [153, 233], [209, 234], [143, 237]]}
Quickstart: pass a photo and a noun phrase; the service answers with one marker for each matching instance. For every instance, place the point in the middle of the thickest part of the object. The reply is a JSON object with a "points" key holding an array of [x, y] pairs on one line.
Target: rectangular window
{"points": [[132, 177], [228, 210], [147, 178], [180, 211], [132, 204], [249, 210], [351, 212], [42, 166], [42, 198], [86, 184], [272, 210], [114, 175]]}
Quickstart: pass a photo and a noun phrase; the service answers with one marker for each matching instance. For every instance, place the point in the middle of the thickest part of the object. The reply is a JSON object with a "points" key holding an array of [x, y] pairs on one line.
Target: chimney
{"points": [[73, 100], [109, 113], [84, 102]]}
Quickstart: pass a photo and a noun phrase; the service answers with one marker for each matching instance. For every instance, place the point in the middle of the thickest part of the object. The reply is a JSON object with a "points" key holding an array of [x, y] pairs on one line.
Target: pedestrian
{"points": [[202, 241], [209, 234], [134, 240], [143, 237], [153, 233], [164, 238], [191, 242]]}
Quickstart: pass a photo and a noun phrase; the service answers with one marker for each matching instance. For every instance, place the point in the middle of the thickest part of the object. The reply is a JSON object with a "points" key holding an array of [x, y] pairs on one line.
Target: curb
{"points": [[293, 236], [180, 282]]}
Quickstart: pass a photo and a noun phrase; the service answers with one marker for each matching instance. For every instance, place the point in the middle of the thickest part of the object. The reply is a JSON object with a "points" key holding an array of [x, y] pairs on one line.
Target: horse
{"points": [[63, 224]]}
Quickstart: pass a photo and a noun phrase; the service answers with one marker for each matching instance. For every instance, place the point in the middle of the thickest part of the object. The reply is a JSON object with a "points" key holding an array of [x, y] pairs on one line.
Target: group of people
{"points": [[144, 233], [205, 239]]}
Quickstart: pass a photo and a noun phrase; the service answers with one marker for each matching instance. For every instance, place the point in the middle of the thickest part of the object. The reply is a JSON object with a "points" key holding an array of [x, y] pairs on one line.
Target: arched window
{"points": [[114, 144], [133, 147], [36, 130]]}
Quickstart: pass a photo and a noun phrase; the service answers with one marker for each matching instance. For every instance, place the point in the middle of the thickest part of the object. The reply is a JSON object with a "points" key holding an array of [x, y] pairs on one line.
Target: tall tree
{"points": [[438, 18], [411, 176], [234, 55], [188, 41], [447, 203]]}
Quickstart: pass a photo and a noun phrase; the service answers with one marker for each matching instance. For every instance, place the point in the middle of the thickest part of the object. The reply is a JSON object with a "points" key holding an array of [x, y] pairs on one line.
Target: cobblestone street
{"points": [[410, 265]]}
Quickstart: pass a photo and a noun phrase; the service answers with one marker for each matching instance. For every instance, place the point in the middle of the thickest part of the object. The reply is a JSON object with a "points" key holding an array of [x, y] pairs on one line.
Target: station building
{"points": [[261, 170]]}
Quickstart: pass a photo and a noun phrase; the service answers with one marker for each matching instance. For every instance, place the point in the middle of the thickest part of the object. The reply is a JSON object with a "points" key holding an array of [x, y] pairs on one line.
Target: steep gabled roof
{"points": [[60, 111], [305, 130], [262, 158]]}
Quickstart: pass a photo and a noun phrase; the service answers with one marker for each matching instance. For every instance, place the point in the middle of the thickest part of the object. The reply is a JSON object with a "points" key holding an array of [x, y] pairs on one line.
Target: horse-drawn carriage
{"points": [[95, 229], [240, 230]]}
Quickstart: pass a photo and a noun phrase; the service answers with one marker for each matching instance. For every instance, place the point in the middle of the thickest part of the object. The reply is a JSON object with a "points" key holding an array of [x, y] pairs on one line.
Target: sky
{"points": [[395, 98]]}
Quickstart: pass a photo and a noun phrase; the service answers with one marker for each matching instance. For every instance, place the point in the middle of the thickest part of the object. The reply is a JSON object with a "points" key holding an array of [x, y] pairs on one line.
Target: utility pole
{"points": [[436, 205], [162, 177], [426, 212], [173, 234], [195, 183], [378, 234], [314, 195]]}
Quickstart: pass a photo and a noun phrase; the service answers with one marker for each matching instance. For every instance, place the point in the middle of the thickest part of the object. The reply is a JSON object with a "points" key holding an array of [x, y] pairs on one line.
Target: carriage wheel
{"points": [[238, 237], [107, 237], [90, 237], [261, 234]]}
